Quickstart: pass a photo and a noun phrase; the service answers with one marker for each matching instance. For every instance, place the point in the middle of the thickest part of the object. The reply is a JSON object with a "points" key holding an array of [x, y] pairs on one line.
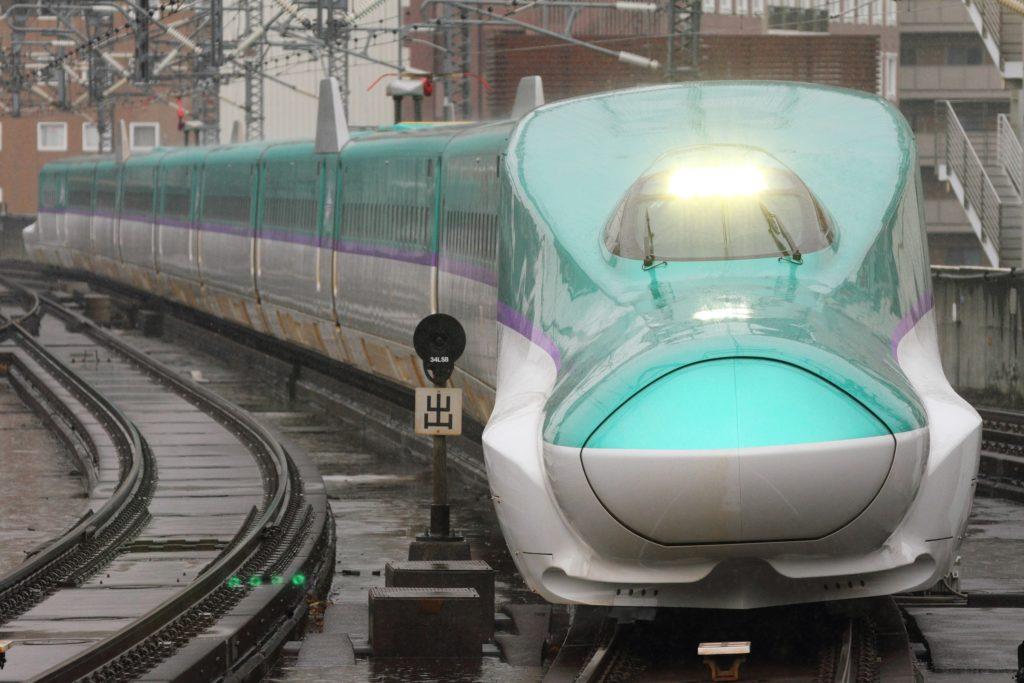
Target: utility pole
{"points": [[682, 63], [143, 65], [254, 100], [332, 28], [455, 61], [206, 103], [97, 25]]}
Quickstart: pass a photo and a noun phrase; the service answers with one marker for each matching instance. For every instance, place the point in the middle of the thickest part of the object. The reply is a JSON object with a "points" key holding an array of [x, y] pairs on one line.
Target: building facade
{"points": [[959, 85]]}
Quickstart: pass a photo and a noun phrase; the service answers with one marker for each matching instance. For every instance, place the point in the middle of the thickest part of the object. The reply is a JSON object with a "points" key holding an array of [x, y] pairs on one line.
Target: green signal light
{"points": [[234, 582], [255, 581], [299, 579], [276, 580]]}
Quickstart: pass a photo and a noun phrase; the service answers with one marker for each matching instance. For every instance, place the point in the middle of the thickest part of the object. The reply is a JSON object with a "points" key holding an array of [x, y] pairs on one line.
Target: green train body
{"points": [[699, 320]]}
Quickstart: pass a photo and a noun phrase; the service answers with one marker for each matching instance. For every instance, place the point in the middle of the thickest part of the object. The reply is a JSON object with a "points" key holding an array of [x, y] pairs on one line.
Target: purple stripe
{"points": [[139, 218], [423, 258], [513, 319], [226, 229], [174, 222], [469, 271], [306, 238], [917, 311]]}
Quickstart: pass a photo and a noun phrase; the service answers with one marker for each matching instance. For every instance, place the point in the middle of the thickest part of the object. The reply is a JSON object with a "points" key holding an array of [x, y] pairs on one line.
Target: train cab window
{"points": [[717, 203]]}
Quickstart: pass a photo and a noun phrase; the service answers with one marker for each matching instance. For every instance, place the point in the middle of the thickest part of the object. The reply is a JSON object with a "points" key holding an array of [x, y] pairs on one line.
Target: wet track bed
{"points": [[379, 489], [41, 490], [973, 637], [204, 526], [378, 483]]}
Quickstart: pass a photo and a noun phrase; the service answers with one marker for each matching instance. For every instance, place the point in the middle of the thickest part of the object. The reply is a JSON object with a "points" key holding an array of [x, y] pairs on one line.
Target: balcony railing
{"points": [[991, 18], [976, 192], [1009, 152]]}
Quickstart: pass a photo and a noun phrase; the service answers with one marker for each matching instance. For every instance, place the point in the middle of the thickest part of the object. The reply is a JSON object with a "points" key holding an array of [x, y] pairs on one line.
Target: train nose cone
{"points": [[738, 450]]}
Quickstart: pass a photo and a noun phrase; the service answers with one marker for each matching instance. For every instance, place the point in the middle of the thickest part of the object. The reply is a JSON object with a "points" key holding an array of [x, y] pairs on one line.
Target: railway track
{"points": [[857, 642], [1001, 471], [204, 540]]}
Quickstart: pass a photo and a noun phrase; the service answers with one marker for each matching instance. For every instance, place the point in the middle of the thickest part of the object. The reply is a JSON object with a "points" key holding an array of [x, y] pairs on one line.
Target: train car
{"points": [[699, 316]]}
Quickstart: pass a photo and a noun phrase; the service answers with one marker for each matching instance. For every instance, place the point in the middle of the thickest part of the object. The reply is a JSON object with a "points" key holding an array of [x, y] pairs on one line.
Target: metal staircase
{"points": [[985, 170], [1000, 31], [983, 187]]}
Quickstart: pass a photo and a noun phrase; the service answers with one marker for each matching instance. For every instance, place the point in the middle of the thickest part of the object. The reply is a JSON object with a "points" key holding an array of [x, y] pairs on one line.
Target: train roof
{"points": [[853, 150], [406, 138]]}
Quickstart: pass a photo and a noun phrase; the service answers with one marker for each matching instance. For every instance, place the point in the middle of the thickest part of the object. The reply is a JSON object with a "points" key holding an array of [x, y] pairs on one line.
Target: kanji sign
{"points": [[438, 411]]}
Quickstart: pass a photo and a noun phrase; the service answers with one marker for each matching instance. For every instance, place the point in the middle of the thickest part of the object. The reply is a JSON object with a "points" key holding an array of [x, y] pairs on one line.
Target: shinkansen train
{"points": [[699, 320]]}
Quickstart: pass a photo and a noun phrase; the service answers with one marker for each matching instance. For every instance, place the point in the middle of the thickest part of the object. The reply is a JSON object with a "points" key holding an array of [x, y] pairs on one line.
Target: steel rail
{"points": [[281, 483], [30, 301], [135, 466]]}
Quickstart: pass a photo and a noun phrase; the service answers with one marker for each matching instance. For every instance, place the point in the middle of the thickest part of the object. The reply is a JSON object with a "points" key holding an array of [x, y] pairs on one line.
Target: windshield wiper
{"points": [[649, 244], [781, 236]]}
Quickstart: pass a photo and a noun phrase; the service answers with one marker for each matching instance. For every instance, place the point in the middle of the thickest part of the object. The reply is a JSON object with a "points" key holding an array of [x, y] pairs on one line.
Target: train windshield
{"points": [[714, 204]]}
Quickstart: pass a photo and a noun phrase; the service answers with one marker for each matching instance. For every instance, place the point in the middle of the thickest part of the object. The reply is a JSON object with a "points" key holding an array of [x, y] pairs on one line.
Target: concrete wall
{"points": [[11, 246], [981, 343]]}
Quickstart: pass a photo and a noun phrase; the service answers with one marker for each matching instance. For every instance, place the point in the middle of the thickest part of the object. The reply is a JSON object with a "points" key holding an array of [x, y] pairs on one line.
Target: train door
{"points": [[78, 225], [467, 286], [325, 281]]}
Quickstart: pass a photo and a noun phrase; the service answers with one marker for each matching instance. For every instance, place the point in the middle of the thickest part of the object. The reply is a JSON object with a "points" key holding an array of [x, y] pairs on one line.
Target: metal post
{"points": [[439, 510], [142, 55], [439, 341], [254, 98], [333, 31], [682, 61], [207, 101]]}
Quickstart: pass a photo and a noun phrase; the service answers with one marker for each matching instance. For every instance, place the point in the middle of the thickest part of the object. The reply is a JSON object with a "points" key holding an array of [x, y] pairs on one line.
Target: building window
{"points": [[52, 136], [145, 136], [891, 14], [90, 137], [963, 55]]}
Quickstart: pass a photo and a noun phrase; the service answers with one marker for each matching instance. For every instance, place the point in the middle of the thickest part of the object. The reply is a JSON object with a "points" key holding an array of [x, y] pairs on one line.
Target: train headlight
{"points": [[725, 313], [726, 180]]}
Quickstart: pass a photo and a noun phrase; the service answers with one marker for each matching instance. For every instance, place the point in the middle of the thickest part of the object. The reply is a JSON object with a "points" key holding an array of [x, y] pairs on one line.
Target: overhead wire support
{"points": [[254, 78], [623, 56], [682, 59]]}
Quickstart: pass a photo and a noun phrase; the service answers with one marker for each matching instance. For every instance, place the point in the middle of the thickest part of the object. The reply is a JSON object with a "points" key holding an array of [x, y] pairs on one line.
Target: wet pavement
{"points": [[41, 492], [380, 498], [979, 645]]}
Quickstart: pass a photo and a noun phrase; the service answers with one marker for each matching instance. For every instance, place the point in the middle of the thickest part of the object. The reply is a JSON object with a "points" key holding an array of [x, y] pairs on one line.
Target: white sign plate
{"points": [[438, 411]]}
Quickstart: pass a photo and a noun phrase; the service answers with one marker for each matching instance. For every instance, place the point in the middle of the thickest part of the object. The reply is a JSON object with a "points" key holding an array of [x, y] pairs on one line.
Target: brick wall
{"points": [[849, 61], [20, 160]]}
